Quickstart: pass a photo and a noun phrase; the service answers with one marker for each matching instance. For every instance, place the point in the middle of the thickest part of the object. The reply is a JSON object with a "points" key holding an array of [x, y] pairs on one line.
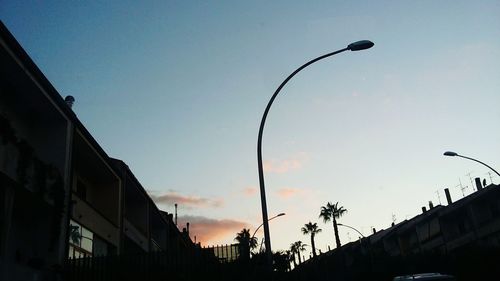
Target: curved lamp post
{"points": [[356, 46], [451, 153], [255, 232], [352, 229]]}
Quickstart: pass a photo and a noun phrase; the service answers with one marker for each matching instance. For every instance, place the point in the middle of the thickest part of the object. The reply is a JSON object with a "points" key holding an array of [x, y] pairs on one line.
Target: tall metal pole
{"points": [[356, 46]]}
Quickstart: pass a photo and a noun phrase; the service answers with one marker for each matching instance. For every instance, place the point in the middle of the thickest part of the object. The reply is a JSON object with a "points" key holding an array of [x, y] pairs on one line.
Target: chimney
{"points": [[187, 228], [69, 101], [424, 209], [478, 184], [448, 196], [374, 230], [175, 213], [431, 205]]}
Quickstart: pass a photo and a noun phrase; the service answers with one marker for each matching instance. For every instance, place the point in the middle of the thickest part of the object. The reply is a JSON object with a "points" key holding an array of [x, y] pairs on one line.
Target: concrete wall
{"points": [[86, 215]]}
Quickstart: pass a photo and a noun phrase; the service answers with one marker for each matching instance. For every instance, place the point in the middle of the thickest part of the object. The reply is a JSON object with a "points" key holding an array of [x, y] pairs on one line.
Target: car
{"points": [[425, 277]]}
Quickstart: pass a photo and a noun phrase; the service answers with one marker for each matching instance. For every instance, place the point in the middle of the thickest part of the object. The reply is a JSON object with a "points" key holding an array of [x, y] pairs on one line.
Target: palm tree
{"points": [[298, 247], [331, 212], [246, 242], [313, 229], [292, 254]]}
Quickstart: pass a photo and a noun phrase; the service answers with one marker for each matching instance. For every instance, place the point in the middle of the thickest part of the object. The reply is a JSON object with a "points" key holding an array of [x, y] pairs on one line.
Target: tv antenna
{"points": [[439, 196], [470, 177], [491, 178], [462, 187]]}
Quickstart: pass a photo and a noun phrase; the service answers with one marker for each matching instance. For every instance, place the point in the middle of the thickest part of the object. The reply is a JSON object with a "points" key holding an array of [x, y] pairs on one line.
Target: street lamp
{"points": [[352, 229], [451, 153], [356, 46], [255, 232]]}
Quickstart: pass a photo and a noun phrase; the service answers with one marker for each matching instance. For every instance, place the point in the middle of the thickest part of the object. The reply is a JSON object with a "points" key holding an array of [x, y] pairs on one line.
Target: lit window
{"points": [[81, 241]]}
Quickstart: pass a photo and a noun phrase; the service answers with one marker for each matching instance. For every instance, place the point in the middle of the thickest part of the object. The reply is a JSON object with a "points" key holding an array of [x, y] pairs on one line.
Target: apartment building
{"points": [[61, 195], [35, 144], [473, 221]]}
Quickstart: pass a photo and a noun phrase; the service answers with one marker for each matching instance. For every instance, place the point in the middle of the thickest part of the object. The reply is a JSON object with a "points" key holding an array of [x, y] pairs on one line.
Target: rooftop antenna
{"points": [[175, 214], [439, 197], [471, 181], [462, 187], [491, 178]]}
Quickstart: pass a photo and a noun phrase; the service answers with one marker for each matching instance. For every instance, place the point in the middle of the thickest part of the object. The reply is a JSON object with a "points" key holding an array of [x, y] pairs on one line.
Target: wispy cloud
{"points": [[171, 198], [210, 231], [287, 192], [286, 165], [250, 191]]}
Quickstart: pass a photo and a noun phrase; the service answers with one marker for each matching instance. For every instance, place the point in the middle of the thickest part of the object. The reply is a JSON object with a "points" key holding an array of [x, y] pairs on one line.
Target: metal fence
{"points": [[195, 264], [225, 253], [218, 263]]}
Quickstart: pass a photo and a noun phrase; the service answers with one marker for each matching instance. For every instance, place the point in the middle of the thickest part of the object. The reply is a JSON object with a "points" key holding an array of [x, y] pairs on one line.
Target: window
{"points": [[81, 241]]}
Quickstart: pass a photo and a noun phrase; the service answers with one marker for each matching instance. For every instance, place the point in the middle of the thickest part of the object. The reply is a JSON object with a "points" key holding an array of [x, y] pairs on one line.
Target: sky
{"points": [[176, 89]]}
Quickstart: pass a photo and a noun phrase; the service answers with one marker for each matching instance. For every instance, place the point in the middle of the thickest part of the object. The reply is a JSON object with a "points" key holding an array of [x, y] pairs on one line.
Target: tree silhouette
{"points": [[312, 229], [297, 247], [331, 212], [292, 254], [246, 242], [281, 261]]}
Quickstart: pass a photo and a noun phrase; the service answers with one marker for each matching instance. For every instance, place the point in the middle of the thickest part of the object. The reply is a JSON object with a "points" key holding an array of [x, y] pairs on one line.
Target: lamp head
{"points": [[360, 45], [450, 153], [339, 223], [281, 214]]}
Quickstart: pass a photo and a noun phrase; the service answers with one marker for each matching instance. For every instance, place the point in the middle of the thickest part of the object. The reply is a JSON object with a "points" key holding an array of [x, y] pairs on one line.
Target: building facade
{"points": [[62, 197]]}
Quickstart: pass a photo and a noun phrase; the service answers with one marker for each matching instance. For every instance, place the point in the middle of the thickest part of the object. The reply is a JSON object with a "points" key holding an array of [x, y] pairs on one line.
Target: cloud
{"points": [[287, 192], [284, 166], [250, 191], [188, 202], [209, 231]]}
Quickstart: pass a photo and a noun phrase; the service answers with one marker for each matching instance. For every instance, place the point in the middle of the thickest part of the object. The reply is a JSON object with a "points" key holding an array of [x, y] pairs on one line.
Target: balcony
{"points": [[33, 135], [96, 191]]}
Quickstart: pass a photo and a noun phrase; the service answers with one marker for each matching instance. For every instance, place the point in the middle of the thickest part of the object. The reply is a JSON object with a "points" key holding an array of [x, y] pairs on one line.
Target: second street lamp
{"points": [[356, 46], [255, 232], [451, 153], [345, 225]]}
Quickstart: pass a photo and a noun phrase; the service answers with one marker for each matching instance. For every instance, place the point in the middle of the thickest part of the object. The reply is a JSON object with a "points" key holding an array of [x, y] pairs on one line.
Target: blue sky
{"points": [[177, 89]]}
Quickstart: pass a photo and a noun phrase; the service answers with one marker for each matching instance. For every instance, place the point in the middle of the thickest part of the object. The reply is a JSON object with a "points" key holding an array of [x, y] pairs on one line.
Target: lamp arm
{"points": [[255, 232], [479, 162], [353, 229]]}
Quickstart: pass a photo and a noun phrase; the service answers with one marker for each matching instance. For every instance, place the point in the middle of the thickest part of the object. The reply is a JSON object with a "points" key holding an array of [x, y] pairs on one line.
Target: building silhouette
{"points": [[62, 197]]}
